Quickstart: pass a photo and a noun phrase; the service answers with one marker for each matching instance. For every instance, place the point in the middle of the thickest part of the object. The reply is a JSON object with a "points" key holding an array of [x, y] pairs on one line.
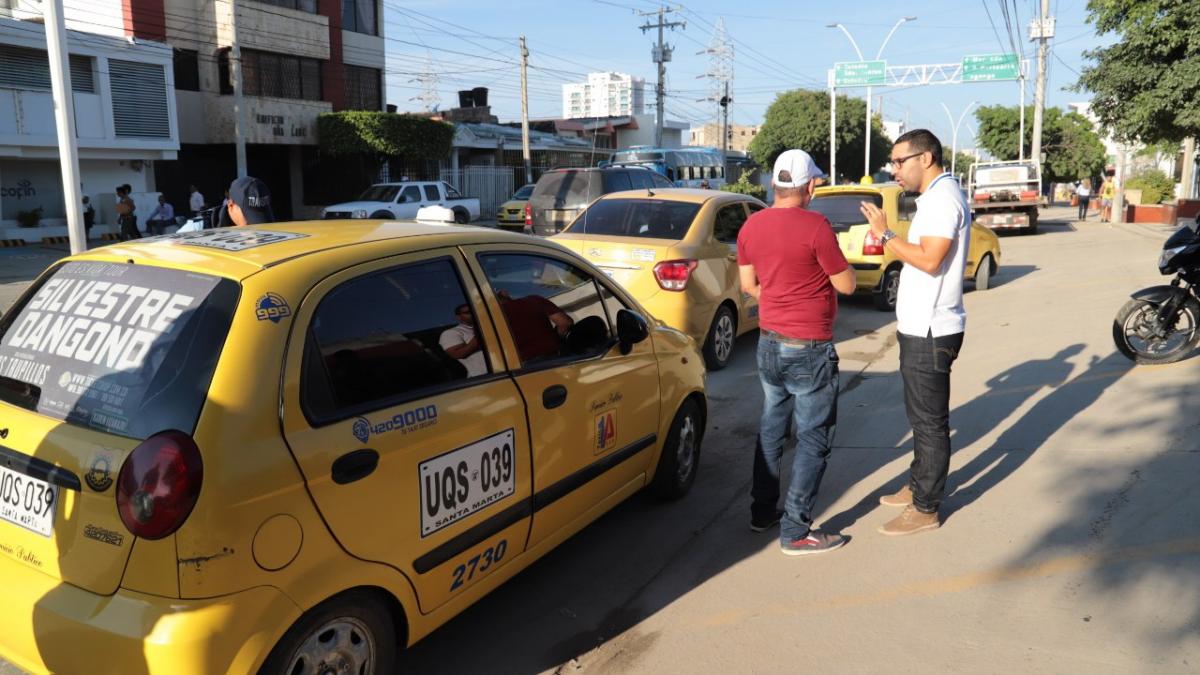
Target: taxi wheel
{"points": [[680, 454], [889, 290], [349, 633], [983, 274], [718, 346]]}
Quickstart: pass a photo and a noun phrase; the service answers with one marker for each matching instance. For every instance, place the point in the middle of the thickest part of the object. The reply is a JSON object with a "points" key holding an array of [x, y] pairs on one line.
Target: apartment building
{"points": [[709, 136], [604, 95]]}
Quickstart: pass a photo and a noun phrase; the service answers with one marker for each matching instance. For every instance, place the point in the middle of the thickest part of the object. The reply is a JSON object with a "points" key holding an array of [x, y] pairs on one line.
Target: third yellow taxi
{"points": [[291, 448], [675, 250], [877, 269]]}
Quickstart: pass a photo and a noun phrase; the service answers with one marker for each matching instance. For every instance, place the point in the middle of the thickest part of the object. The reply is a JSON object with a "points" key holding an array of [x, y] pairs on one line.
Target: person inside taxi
{"points": [[538, 325], [461, 342]]}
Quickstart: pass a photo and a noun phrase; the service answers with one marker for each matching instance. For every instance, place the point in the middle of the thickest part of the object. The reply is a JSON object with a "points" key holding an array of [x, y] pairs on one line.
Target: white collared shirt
{"points": [[461, 335], [933, 303]]}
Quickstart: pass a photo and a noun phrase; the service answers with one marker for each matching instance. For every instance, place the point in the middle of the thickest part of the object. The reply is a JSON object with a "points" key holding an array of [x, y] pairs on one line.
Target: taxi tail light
{"points": [[872, 245], [673, 275], [159, 484], [528, 215]]}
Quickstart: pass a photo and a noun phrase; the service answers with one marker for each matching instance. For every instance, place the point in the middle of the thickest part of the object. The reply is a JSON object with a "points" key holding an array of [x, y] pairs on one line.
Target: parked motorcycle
{"points": [[1161, 324]]}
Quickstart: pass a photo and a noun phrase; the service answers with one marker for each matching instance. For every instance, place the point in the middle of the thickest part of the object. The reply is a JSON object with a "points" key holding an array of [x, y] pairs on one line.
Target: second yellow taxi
{"points": [[675, 250]]}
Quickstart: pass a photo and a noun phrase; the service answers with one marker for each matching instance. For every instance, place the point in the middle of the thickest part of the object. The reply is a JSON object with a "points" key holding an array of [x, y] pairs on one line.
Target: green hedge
{"points": [[1155, 185], [362, 132], [743, 186]]}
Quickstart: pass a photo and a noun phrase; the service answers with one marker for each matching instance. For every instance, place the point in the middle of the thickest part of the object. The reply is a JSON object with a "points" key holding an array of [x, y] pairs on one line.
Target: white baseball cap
{"points": [[795, 168]]}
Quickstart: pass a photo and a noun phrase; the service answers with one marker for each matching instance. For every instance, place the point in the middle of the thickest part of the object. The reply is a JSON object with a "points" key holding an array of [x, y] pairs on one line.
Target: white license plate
{"points": [[466, 480], [27, 502]]}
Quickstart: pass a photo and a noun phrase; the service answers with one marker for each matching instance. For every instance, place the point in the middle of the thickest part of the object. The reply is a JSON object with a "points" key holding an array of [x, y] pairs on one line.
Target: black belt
{"points": [[797, 342]]}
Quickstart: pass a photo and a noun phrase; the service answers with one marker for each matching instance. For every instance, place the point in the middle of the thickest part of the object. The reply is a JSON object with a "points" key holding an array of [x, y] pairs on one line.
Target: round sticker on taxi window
{"points": [[272, 307]]}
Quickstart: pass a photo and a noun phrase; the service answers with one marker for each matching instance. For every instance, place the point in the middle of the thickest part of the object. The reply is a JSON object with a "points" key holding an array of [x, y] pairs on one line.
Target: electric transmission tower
{"points": [[720, 75], [428, 79]]}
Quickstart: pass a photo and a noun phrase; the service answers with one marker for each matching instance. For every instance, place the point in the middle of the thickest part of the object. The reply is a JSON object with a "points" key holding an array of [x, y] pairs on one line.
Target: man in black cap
{"points": [[249, 203]]}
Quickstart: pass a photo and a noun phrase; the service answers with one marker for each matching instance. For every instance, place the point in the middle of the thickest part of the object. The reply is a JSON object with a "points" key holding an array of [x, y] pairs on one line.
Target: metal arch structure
{"points": [[918, 75]]}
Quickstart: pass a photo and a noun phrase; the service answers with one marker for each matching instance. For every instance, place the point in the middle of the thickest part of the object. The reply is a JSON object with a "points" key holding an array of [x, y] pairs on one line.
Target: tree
{"points": [[800, 119], [1146, 87], [1072, 148]]}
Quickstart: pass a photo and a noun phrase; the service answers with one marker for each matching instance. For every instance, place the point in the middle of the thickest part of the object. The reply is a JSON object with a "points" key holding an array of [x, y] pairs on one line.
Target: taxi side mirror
{"points": [[631, 329]]}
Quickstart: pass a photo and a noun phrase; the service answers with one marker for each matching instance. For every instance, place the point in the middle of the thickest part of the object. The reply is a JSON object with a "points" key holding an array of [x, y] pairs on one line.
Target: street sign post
{"points": [[990, 67], [859, 73]]}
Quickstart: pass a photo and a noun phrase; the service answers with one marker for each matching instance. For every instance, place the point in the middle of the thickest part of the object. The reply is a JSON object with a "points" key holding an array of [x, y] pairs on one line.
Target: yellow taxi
{"points": [[511, 214], [878, 269], [296, 447], [675, 250]]}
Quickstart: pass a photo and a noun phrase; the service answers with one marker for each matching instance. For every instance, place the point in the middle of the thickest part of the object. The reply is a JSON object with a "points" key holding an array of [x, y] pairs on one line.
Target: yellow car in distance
{"points": [[675, 250], [296, 447], [511, 214], [877, 269]]}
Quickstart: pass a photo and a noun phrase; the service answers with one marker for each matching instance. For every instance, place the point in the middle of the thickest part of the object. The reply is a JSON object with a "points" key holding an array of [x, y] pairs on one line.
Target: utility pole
{"points": [[660, 54], [64, 117], [1021, 131], [725, 101], [525, 113], [239, 101], [1189, 167], [832, 131], [720, 51], [1042, 30], [1118, 207]]}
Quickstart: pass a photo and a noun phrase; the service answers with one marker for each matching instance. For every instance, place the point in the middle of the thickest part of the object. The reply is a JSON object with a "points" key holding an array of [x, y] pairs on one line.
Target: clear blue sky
{"points": [[778, 46]]}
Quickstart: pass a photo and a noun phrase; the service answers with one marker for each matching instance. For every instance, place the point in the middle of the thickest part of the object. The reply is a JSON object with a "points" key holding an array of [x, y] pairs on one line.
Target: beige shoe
{"points": [[901, 498], [910, 521]]}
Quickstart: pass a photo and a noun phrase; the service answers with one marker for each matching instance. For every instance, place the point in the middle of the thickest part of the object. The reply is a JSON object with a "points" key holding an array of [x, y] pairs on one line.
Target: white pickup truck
{"points": [[401, 201]]}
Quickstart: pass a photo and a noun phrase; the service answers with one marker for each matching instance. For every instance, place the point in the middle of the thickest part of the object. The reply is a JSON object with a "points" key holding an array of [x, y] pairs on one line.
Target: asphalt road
{"points": [[1070, 540]]}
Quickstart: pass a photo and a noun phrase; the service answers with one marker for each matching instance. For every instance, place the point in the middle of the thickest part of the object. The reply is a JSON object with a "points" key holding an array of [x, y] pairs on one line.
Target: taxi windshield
{"points": [[843, 210], [125, 349], [646, 218]]}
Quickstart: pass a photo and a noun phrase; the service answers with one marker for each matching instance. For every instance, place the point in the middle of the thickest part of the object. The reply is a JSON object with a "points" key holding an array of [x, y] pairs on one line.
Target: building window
{"points": [[362, 88], [302, 5], [139, 99], [274, 75], [22, 68], [187, 69], [359, 16]]}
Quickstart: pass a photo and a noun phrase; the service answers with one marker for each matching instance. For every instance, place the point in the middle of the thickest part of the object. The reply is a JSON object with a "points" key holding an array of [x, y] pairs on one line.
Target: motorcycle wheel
{"points": [[1134, 337]]}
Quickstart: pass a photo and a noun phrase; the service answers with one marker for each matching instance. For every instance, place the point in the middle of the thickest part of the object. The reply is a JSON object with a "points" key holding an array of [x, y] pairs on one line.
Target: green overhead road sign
{"points": [[990, 67], [859, 73]]}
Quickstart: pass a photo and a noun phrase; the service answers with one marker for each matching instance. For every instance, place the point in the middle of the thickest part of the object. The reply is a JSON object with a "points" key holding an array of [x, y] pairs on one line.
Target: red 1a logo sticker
{"points": [[606, 431]]}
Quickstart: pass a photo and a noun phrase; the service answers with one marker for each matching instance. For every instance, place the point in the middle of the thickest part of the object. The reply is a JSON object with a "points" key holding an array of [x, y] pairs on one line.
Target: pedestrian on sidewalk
{"points": [[930, 318], [1107, 192], [89, 217], [162, 216], [789, 258], [1084, 193], [195, 200], [125, 214]]}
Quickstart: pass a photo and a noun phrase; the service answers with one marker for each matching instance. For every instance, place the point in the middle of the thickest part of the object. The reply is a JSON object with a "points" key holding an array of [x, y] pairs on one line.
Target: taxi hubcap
{"points": [[893, 288], [343, 646], [686, 452], [723, 337]]}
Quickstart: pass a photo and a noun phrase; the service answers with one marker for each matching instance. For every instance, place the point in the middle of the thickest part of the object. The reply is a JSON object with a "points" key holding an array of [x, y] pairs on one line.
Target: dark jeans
{"points": [[1083, 207], [800, 386], [158, 226], [925, 367]]}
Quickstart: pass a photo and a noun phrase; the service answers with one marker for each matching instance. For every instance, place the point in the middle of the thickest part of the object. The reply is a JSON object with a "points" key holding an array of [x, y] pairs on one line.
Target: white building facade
{"points": [[125, 120], [604, 95]]}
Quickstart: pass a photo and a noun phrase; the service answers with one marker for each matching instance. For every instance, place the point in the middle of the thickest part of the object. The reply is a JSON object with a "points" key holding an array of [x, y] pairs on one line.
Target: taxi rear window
{"points": [[647, 218], [122, 348], [844, 210]]}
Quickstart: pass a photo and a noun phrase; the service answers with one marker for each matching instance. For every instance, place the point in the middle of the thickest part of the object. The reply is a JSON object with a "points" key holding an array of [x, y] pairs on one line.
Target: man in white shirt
{"points": [[195, 201], [461, 343], [162, 216], [930, 318]]}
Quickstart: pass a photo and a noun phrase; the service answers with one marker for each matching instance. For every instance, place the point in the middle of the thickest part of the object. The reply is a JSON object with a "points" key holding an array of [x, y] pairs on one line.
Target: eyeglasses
{"points": [[897, 163]]}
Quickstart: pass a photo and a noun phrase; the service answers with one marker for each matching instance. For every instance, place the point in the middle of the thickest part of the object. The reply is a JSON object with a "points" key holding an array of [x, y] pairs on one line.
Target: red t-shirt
{"points": [[529, 321], [794, 252]]}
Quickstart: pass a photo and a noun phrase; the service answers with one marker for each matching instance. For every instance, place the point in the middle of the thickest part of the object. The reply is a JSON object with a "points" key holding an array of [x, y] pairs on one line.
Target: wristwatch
{"points": [[888, 235]]}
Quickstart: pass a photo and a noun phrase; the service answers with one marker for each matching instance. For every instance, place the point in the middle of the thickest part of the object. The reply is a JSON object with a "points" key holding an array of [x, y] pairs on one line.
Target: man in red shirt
{"points": [[788, 258]]}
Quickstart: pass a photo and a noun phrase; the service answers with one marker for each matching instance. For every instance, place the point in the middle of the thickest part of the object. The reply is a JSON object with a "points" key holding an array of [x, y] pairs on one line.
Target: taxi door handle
{"points": [[554, 396], [355, 465]]}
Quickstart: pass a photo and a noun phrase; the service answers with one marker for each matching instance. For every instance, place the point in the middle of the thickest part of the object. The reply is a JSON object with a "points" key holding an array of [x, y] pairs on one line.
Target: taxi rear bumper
{"points": [[51, 626]]}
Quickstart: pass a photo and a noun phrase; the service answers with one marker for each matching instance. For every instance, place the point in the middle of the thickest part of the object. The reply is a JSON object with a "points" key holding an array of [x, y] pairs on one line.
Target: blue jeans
{"points": [[800, 386]]}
